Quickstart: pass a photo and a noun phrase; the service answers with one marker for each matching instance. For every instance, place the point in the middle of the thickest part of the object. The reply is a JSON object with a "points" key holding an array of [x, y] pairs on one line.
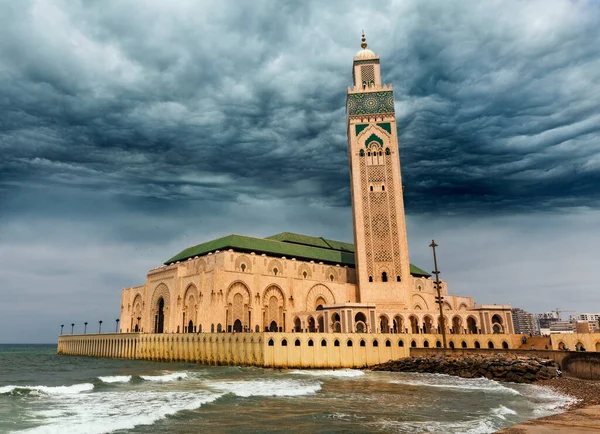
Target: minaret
{"points": [[382, 264]]}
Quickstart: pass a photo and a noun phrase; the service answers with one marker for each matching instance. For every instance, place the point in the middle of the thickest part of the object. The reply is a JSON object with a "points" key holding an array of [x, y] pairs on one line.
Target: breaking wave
{"points": [[165, 377], [116, 379], [342, 373], [458, 383], [266, 387], [47, 390]]}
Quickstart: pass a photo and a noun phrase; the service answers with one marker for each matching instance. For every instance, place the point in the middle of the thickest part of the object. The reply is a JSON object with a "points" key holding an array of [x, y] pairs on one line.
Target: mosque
{"points": [[297, 283]]}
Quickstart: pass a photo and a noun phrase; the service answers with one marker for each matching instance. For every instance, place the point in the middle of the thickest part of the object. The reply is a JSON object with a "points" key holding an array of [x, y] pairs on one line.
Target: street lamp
{"points": [[139, 318], [84, 327], [117, 326], [99, 326], [72, 327], [439, 299], [61, 328]]}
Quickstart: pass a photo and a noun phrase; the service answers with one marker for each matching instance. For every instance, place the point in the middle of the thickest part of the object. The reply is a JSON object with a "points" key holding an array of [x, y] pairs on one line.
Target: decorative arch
{"points": [[331, 271], [273, 308], [418, 299], [137, 312], [419, 285], [238, 305], [462, 306], [243, 264], [275, 268], [190, 307], [304, 272], [201, 266], [316, 292], [447, 306], [471, 325], [161, 292]]}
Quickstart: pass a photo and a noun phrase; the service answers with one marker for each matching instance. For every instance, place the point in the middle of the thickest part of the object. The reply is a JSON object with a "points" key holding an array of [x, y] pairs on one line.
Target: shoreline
{"points": [[586, 392]]}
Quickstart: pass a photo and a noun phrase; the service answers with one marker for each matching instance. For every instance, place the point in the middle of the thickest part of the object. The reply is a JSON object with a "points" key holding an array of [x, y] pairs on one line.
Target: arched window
{"points": [[284, 343], [349, 343], [371, 188], [477, 345], [463, 344], [426, 344], [361, 153], [323, 343], [331, 277], [275, 271], [413, 344], [384, 277], [243, 267], [271, 343], [383, 188], [297, 342], [375, 343], [505, 345], [336, 343], [304, 274], [370, 278], [400, 343], [451, 344], [388, 343], [311, 343], [362, 343], [397, 278]]}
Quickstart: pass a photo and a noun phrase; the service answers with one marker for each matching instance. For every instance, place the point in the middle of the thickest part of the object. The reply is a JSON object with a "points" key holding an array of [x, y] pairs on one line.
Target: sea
{"points": [[42, 392]]}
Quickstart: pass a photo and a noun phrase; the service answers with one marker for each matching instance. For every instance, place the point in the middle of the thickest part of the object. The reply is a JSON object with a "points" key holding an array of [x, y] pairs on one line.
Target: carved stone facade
{"points": [[294, 283]]}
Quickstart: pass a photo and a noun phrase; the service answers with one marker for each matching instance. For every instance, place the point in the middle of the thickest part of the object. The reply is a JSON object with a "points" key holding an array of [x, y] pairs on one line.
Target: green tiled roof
{"points": [[285, 244]]}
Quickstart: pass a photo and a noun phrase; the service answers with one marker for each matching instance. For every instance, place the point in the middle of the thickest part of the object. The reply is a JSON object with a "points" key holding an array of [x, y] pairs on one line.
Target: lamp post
{"points": [[72, 327], [61, 328], [117, 326], [84, 327], [99, 326], [439, 299], [139, 318]]}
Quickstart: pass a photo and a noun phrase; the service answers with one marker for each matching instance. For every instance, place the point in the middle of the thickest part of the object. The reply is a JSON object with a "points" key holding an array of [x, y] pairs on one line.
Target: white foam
{"points": [[166, 377], [105, 412], [51, 390], [266, 387], [448, 382], [547, 401], [342, 373], [116, 379], [477, 426], [502, 411]]}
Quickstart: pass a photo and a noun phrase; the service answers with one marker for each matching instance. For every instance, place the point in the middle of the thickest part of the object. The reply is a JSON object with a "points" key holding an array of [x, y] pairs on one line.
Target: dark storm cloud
{"points": [[132, 129], [218, 101]]}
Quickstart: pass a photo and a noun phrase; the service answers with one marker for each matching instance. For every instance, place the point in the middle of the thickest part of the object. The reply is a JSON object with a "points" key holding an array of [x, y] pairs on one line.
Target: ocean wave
{"points": [[115, 379], [342, 373], [458, 383], [547, 401], [266, 387], [502, 411], [106, 412], [47, 390], [165, 377]]}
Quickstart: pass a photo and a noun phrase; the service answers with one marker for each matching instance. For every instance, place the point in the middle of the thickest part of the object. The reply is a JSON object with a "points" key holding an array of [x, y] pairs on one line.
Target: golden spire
{"points": [[363, 41]]}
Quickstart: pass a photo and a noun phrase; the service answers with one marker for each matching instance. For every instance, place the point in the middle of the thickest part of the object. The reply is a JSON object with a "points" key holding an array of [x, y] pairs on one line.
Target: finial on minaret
{"points": [[364, 41]]}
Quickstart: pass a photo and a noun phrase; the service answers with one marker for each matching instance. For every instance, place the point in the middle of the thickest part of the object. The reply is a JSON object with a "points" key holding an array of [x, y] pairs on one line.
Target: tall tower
{"points": [[382, 263]]}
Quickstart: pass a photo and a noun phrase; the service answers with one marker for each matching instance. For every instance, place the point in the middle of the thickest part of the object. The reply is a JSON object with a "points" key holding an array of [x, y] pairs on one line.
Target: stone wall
{"points": [[591, 341], [294, 350]]}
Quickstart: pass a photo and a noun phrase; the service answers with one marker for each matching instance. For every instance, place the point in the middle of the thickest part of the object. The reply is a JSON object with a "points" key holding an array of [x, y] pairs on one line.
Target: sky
{"points": [[131, 129]]}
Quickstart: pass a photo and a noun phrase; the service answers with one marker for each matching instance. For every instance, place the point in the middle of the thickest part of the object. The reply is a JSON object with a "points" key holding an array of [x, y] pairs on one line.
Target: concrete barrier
{"points": [[283, 350]]}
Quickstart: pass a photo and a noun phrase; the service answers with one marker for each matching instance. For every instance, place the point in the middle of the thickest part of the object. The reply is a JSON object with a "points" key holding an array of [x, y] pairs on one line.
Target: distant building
{"points": [[585, 317], [562, 327], [524, 322], [545, 319]]}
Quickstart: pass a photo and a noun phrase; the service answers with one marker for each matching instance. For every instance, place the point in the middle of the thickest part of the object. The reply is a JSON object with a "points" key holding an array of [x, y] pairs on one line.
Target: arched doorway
{"points": [[321, 324], [159, 321], [497, 326], [360, 322], [273, 326], [471, 325], [427, 325], [297, 325], [383, 324], [414, 324], [311, 324], [456, 325], [190, 327], [137, 328], [398, 324], [237, 326]]}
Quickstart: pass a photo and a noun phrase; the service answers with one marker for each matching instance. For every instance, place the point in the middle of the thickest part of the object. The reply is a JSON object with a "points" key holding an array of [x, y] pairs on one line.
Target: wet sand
{"points": [[582, 416]]}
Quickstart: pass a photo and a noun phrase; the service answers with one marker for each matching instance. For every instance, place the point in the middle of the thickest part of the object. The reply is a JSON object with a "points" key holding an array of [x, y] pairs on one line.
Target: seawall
{"points": [[282, 350]]}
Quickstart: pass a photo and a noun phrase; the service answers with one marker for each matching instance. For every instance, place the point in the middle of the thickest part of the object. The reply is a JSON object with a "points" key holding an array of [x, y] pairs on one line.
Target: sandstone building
{"points": [[290, 282]]}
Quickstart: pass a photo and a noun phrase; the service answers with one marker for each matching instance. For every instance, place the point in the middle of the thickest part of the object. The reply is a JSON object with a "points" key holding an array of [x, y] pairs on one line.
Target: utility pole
{"points": [[439, 299]]}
